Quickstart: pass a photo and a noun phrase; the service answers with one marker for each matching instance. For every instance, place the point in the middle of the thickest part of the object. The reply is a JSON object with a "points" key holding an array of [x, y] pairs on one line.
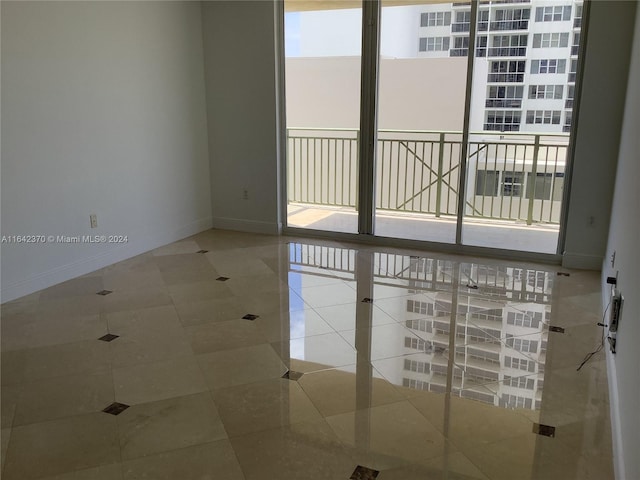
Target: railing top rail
{"points": [[452, 132], [324, 129]]}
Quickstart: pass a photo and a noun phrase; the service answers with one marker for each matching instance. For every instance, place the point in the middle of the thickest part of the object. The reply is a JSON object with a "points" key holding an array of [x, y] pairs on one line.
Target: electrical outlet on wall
{"points": [[93, 219]]}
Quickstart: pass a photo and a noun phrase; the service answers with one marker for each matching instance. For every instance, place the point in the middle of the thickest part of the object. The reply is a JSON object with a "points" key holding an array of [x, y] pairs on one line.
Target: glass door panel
{"points": [[521, 110], [423, 70], [322, 71]]}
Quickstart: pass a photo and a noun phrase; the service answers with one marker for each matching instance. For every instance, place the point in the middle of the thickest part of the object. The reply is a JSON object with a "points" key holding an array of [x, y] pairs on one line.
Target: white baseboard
{"points": [[616, 431], [252, 226], [140, 242], [582, 262]]}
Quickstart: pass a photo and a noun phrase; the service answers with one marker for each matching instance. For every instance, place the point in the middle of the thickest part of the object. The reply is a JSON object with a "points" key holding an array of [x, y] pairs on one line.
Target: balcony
{"points": [[502, 25], [417, 178], [508, 51]]}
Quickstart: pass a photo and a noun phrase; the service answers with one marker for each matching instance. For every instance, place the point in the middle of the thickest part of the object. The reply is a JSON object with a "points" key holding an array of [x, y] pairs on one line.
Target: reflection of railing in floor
{"points": [[511, 176], [478, 331], [506, 282]]}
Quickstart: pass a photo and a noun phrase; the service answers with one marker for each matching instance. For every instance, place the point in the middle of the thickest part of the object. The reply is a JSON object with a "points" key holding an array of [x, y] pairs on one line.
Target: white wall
{"points": [[598, 131], [102, 112], [624, 239], [239, 54], [415, 93]]}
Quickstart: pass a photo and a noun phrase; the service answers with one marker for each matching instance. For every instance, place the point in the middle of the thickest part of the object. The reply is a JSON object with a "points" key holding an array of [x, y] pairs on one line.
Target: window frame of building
{"points": [[434, 44], [546, 92], [435, 19], [548, 66], [551, 40], [553, 13]]}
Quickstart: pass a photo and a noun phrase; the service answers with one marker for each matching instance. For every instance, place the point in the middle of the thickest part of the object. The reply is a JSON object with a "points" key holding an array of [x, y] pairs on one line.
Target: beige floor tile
{"points": [[213, 337], [266, 303], [453, 466], [210, 461], [62, 445], [241, 365], [63, 397], [247, 285], [103, 472], [158, 381], [147, 335], [533, 457], [210, 311], [193, 292], [5, 436], [297, 324], [264, 405], [148, 275], [55, 332], [69, 306], [464, 422], [86, 357], [134, 299], [232, 263], [176, 248], [395, 430], [343, 317], [155, 427], [9, 396], [303, 450], [328, 295], [327, 351], [86, 285], [334, 391]]}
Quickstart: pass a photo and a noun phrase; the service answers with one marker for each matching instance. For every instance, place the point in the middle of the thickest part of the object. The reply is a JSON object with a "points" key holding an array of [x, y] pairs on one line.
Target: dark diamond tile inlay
{"points": [[202, 251], [222, 279], [250, 316], [115, 408], [564, 274], [546, 430], [556, 329], [364, 473], [108, 337], [104, 292], [291, 375], [367, 300]]}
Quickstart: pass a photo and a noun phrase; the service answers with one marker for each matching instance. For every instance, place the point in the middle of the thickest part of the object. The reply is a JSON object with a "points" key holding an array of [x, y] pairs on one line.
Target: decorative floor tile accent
{"points": [[115, 408], [364, 473], [564, 274], [546, 430], [202, 251], [222, 279], [108, 337], [556, 329], [104, 292], [250, 316], [291, 375], [367, 300]]}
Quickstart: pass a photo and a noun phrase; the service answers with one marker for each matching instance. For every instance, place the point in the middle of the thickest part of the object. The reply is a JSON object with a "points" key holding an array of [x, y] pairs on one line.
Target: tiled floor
{"points": [[353, 362]]}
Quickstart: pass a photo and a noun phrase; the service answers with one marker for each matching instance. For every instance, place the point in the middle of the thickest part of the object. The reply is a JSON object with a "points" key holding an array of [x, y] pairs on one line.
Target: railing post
{"points": [[534, 171], [357, 170], [439, 179], [292, 165]]}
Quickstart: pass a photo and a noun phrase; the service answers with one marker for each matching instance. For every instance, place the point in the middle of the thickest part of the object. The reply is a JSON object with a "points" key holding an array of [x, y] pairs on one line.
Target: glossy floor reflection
{"points": [[241, 356]]}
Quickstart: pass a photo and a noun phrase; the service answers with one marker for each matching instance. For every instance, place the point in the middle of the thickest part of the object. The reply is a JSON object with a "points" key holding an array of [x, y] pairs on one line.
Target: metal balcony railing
{"points": [[510, 175]]}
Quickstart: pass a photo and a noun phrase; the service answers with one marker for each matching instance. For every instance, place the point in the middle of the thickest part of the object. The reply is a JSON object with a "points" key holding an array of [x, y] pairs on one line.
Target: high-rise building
{"points": [[526, 57]]}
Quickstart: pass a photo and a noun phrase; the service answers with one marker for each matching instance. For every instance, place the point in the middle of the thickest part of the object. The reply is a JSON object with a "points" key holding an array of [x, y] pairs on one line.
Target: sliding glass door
{"points": [[467, 142], [322, 71]]}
